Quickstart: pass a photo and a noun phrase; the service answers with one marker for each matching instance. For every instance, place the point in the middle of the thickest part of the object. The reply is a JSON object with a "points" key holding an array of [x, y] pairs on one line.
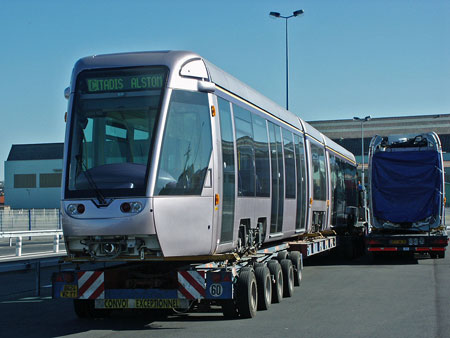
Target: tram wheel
{"points": [[264, 283], [277, 285], [288, 277], [247, 294], [295, 257]]}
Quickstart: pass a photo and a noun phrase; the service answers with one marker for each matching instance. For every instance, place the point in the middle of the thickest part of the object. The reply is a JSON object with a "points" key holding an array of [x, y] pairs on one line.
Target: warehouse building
{"points": [[33, 176], [348, 134]]}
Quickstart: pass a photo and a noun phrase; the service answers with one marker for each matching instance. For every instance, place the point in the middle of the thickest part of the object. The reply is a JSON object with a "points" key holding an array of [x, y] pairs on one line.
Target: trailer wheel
{"points": [[282, 255], [85, 308], [80, 308], [295, 257], [277, 285], [264, 283], [441, 254], [247, 294], [288, 277], [229, 309]]}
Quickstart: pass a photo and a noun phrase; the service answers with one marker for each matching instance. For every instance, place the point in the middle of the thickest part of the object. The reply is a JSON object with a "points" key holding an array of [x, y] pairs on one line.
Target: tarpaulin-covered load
{"points": [[406, 185]]}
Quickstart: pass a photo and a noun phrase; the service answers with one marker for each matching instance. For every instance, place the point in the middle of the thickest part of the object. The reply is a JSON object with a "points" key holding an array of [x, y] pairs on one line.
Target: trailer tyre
{"points": [[264, 283], [229, 309], [288, 277], [80, 308], [247, 294], [282, 255], [295, 257], [85, 308], [277, 285]]}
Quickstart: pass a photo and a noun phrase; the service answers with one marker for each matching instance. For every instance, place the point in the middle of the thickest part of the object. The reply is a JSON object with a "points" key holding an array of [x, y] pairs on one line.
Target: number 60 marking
{"points": [[216, 290]]}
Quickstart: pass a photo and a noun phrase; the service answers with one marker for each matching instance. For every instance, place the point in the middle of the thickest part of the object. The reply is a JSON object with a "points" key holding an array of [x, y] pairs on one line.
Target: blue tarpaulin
{"points": [[406, 185]]}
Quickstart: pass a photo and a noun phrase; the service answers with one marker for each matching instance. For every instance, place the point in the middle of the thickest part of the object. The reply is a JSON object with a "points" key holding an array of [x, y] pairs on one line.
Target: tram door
{"points": [[184, 196], [276, 158], [319, 187], [228, 172]]}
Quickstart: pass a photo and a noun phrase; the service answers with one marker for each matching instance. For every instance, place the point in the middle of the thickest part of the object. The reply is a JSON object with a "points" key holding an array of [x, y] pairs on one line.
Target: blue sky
{"points": [[349, 57]]}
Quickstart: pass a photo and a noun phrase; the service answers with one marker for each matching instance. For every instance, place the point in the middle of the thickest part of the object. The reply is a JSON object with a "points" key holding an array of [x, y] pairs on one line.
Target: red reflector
{"points": [[80, 208], [437, 249], [125, 207], [66, 277], [216, 278], [422, 249], [382, 249], [440, 241]]}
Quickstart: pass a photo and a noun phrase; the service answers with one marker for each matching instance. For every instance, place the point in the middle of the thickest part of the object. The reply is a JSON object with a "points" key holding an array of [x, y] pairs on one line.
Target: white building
{"points": [[33, 176]]}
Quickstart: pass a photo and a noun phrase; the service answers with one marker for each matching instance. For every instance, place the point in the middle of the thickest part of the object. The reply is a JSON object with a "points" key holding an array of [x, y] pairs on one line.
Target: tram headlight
{"points": [[136, 207], [75, 209], [131, 207]]}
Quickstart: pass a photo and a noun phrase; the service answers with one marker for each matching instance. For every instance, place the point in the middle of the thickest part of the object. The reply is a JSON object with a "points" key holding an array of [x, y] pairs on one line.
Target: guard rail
{"points": [[34, 233]]}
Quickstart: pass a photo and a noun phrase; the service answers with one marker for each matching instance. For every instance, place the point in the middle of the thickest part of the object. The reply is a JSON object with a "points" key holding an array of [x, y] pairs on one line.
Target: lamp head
{"points": [[274, 14], [299, 12]]}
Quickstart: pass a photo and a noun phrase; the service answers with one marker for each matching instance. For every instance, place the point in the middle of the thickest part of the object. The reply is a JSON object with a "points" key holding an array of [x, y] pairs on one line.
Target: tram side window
{"points": [[262, 165], [187, 145], [350, 184], [319, 174], [338, 191], [289, 163], [245, 151]]}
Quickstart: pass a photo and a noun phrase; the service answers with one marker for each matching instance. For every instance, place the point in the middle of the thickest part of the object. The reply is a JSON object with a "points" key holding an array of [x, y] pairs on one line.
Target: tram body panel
{"points": [[184, 225], [109, 220]]}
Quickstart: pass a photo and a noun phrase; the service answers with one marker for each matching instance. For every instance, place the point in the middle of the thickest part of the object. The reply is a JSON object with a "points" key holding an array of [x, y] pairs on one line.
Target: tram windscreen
{"points": [[113, 121]]}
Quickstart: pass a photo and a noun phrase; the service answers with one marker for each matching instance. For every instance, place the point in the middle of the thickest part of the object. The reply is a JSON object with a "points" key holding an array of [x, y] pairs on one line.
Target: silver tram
{"points": [[168, 156]]}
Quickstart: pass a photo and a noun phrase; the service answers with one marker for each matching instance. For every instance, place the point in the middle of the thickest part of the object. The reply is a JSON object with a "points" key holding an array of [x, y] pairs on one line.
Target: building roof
{"points": [[336, 129], [42, 151]]}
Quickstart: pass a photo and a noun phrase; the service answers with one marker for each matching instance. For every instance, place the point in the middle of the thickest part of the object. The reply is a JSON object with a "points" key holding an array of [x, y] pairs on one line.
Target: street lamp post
{"points": [[278, 15], [362, 120]]}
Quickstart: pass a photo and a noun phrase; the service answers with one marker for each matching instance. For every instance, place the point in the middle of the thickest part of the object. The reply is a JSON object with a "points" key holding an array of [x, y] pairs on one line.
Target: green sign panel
{"points": [[125, 83]]}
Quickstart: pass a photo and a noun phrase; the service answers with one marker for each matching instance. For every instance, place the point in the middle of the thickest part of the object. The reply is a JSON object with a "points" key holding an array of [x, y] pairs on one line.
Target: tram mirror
{"points": [[206, 87], [67, 93]]}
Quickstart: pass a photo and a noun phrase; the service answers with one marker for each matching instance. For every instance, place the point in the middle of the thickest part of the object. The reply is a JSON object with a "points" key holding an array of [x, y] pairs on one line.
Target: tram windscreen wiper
{"points": [[90, 180]]}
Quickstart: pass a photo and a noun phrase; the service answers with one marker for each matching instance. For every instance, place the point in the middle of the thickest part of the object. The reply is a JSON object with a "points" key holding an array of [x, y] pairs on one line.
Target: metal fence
{"points": [[30, 219]]}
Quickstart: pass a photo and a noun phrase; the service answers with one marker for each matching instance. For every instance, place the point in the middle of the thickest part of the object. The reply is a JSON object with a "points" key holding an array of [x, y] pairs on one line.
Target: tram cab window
{"points": [[319, 174], [186, 146], [111, 132]]}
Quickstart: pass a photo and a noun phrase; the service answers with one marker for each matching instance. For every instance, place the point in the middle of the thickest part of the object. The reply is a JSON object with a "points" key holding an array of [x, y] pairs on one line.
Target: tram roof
{"points": [[176, 59]]}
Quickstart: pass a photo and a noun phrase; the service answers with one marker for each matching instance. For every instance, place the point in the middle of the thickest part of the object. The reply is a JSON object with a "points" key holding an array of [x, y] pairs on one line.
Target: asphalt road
{"points": [[338, 298]]}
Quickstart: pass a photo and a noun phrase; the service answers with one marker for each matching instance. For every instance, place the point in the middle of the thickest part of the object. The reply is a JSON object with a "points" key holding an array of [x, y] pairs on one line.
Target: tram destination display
{"points": [[117, 82]]}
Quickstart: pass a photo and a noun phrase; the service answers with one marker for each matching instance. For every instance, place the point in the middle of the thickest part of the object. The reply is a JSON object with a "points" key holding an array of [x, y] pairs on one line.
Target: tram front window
{"points": [[114, 119]]}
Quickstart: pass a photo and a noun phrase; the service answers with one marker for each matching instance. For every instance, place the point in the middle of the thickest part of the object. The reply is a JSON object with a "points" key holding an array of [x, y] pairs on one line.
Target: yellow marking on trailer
{"points": [[69, 291], [157, 303], [116, 303]]}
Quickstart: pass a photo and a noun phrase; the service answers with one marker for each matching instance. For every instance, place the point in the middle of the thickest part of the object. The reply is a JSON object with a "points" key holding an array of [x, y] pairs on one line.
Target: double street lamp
{"points": [[362, 120], [278, 15]]}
